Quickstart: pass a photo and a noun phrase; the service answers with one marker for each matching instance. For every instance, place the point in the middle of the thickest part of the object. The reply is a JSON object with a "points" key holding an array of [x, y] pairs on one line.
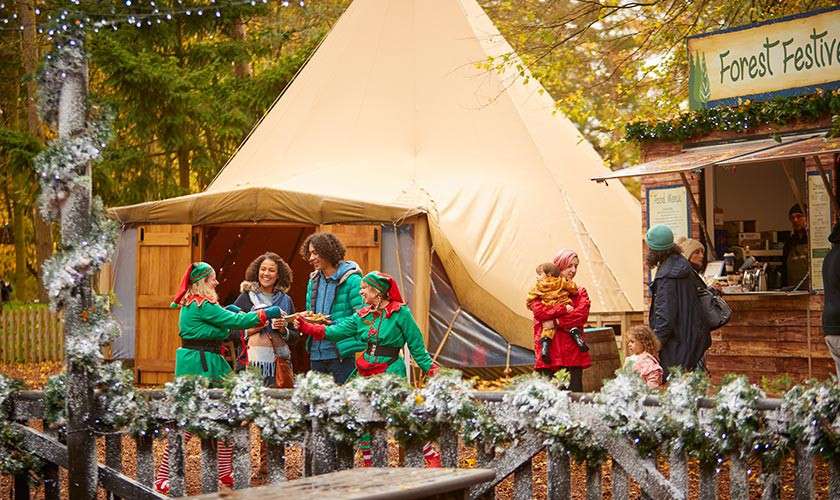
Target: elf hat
{"points": [[385, 284], [196, 272]]}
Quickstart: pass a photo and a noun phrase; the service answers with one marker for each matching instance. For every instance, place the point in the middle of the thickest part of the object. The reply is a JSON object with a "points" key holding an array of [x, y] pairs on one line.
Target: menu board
{"points": [[819, 226], [668, 205]]}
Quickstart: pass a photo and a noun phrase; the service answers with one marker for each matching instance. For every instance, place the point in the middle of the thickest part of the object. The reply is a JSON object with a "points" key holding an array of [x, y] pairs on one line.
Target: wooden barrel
{"points": [[605, 360]]}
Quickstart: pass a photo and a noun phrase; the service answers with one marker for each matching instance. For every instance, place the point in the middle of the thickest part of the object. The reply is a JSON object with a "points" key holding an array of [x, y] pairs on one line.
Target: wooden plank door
{"points": [[163, 253], [363, 243]]}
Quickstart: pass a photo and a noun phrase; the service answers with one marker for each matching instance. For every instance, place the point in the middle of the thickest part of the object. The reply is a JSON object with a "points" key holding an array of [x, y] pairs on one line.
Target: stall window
{"points": [[750, 204]]}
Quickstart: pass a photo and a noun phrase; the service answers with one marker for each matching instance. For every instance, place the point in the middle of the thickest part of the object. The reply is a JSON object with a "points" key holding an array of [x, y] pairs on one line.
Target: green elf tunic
{"points": [[393, 328], [202, 319]]}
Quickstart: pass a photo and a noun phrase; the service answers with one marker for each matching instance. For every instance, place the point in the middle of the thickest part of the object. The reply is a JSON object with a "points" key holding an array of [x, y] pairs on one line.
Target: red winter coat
{"points": [[563, 351]]}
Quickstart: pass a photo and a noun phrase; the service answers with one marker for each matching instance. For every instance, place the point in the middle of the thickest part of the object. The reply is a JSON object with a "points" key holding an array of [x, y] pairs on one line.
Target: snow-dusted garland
{"points": [[14, 458], [621, 407]]}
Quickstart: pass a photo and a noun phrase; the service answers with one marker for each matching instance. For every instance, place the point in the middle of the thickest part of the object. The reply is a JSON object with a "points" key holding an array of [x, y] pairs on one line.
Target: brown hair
{"points": [[284, 272], [656, 257], [645, 336], [326, 245], [549, 269]]}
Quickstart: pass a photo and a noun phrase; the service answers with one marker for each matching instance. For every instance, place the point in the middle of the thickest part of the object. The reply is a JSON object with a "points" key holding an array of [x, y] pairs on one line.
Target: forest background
{"points": [[186, 92]]}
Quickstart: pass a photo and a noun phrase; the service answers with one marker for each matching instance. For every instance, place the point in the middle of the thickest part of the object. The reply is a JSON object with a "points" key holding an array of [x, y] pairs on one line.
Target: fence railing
{"points": [[322, 454], [30, 334]]}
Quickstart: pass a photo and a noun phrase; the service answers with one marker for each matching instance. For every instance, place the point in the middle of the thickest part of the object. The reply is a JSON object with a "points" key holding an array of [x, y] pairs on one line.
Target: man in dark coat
{"points": [[831, 308], [676, 314]]}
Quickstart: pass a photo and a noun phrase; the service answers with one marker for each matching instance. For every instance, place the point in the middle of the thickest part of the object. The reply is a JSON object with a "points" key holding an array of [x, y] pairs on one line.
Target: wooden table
{"points": [[369, 483]]}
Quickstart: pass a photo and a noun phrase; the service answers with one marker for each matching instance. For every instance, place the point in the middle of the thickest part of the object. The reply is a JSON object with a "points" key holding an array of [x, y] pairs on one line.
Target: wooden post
{"points": [[522, 481], [113, 456], [559, 476], [209, 466], [593, 481], [76, 220], [276, 462], [710, 243], [422, 275]]}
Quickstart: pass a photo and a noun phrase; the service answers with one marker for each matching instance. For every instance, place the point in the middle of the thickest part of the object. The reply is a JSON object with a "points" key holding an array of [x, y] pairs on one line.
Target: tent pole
{"points": [[827, 184], [422, 275], [446, 335]]}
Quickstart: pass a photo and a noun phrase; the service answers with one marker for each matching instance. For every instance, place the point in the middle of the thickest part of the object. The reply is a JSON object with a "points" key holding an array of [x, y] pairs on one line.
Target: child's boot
{"points": [[545, 342]]}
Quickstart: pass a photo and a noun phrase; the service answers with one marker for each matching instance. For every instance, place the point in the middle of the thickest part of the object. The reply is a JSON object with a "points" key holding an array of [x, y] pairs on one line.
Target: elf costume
{"points": [[385, 331], [203, 325]]}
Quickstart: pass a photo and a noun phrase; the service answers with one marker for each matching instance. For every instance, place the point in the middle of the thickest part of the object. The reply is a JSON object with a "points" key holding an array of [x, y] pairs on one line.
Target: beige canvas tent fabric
{"points": [[393, 116]]}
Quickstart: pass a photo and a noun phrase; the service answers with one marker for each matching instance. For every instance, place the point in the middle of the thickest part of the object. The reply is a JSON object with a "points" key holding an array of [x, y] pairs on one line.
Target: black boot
{"points": [[578, 338], [544, 344]]}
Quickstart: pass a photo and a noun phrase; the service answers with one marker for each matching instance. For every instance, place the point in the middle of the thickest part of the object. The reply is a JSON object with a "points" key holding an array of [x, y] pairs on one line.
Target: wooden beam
{"points": [[794, 187], [710, 243], [422, 275], [54, 452]]}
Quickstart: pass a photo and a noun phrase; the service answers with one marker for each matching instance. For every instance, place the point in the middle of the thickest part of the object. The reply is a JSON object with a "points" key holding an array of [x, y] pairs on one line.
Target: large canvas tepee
{"points": [[395, 116]]}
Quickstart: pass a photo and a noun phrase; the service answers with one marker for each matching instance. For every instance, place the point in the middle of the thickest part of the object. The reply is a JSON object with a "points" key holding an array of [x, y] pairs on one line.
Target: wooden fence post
{"points": [[276, 462], [739, 488], [145, 462], [522, 481], [620, 484], [379, 446], [708, 483], [448, 443], [241, 458], [678, 475], [559, 477], [414, 455], [209, 466], [113, 456], [175, 441], [593, 481], [803, 478]]}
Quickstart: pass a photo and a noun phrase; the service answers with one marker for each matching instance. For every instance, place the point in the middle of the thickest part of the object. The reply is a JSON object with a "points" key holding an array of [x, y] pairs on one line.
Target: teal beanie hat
{"points": [[659, 238]]}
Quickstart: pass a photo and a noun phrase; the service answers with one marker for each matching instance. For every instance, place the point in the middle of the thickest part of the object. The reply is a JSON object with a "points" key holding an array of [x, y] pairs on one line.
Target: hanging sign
{"points": [[668, 205], [819, 226], [782, 57]]}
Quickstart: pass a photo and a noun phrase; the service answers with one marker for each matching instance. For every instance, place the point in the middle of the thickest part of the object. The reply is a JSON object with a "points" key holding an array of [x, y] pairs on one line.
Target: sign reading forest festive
{"points": [[788, 56]]}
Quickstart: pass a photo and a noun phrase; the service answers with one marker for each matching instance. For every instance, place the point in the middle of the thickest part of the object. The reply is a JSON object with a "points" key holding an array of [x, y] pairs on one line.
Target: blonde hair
{"points": [[645, 336], [201, 288]]}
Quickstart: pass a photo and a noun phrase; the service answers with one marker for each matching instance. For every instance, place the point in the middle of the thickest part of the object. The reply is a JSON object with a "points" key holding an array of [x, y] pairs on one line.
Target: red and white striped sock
{"points": [[431, 456], [225, 461]]}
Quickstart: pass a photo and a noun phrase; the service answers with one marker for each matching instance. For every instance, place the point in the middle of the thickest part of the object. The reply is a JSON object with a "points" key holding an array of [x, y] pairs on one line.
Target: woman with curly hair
{"points": [[266, 348], [676, 315], [333, 289]]}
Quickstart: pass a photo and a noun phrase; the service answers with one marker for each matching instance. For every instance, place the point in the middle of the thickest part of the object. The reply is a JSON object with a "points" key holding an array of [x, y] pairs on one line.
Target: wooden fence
{"points": [[31, 334], [322, 454]]}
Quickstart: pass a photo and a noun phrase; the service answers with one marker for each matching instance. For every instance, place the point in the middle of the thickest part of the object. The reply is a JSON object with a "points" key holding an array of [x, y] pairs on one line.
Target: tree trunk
{"points": [[19, 237], [184, 169], [30, 58], [242, 68], [76, 219]]}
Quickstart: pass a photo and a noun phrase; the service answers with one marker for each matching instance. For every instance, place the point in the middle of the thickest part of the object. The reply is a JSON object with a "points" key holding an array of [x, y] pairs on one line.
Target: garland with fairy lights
{"points": [[745, 116], [75, 18]]}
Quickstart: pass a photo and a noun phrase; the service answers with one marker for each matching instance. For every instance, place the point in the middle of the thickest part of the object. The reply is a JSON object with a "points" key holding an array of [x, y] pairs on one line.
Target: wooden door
{"points": [[163, 253], [363, 243]]}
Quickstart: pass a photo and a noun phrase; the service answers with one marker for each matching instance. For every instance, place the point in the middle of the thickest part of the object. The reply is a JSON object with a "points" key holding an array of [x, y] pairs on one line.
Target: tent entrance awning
{"points": [[707, 156]]}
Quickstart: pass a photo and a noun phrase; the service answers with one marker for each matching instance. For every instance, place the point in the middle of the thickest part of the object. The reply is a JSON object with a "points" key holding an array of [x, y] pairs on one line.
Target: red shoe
{"points": [[162, 486], [226, 481], [433, 460]]}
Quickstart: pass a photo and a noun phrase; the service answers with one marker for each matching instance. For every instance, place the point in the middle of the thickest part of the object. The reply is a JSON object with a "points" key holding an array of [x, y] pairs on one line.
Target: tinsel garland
{"points": [[747, 115], [122, 407], [621, 407], [14, 459]]}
